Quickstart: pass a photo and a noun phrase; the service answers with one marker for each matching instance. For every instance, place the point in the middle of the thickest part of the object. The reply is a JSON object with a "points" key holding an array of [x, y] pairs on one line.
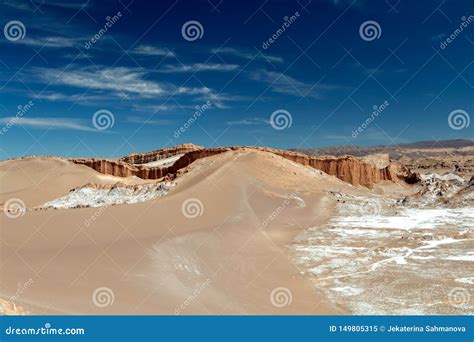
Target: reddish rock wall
{"points": [[347, 168]]}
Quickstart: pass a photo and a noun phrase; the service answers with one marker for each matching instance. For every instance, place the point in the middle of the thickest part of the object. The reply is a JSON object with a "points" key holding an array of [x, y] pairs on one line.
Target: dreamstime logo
{"points": [[192, 208], [465, 22], [89, 221], [103, 119], [110, 21], [459, 119], [42, 330], [370, 30], [14, 30], [377, 110], [21, 288], [192, 30], [281, 119], [288, 21], [372, 207], [102, 297], [199, 110], [197, 291], [280, 208], [459, 297], [14, 208], [22, 110], [280, 297]]}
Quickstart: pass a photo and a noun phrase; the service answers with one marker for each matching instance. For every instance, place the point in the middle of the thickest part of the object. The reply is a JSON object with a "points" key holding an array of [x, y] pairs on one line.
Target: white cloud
{"points": [[117, 79], [51, 42], [57, 96], [34, 5], [148, 50], [288, 85], [52, 96], [17, 5], [248, 122], [75, 5], [153, 108], [247, 55], [77, 56], [438, 37], [197, 67], [124, 83], [51, 123], [218, 100], [147, 121]]}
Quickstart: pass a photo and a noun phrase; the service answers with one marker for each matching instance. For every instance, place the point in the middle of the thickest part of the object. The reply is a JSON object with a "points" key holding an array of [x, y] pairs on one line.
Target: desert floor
{"points": [[243, 232]]}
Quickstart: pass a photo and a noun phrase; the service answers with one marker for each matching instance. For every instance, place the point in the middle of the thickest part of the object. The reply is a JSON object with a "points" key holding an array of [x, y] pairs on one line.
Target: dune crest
{"points": [[217, 243], [355, 171]]}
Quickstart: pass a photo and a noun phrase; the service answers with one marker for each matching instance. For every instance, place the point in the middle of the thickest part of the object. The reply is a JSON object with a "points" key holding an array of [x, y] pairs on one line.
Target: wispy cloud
{"points": [[77, 56], [219, 100], [57, 96], [197, 67], [117, 79], [438, 37], [17, 5], [51, 123], [248, 122], [400, 70], [73, 4], [148, 50], [358, 4], [51, 42], [124, 83], [154, 108], [147, 121], [288, 85], [247, 55]]}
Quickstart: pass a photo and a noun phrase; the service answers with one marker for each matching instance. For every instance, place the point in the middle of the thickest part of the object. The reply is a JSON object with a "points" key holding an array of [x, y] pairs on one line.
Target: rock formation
{"points": [[143, 158], [460, 165], [347, 168]]}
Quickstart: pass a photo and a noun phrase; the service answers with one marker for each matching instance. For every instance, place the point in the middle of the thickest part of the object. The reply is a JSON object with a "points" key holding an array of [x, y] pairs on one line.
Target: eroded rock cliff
{"points": [[347, 168]]}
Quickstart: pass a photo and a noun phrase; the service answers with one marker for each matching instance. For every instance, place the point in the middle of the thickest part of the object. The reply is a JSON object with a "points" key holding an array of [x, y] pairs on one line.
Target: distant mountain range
{"points": [[454, 143], [430, 148]]}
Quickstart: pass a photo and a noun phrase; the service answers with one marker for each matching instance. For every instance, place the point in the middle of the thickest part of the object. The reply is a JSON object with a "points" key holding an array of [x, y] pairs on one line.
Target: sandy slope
{"points": [[227, 260], [36, 180]]}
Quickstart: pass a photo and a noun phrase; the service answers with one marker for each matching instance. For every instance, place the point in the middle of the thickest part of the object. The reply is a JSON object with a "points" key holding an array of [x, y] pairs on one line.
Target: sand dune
{"points": [[36, 180], [243, 231], [216, 244]]}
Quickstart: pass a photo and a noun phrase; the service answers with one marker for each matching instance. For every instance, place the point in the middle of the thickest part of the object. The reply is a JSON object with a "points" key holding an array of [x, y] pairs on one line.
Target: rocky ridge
{"points": [[143, 158], [350, 169], [442, 190]]}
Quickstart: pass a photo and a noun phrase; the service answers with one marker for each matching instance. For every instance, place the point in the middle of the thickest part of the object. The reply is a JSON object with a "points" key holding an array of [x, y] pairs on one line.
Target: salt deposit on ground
{"points": [[378, 256], [446, 177], [164, 161], [92, 197], [469, 257]]}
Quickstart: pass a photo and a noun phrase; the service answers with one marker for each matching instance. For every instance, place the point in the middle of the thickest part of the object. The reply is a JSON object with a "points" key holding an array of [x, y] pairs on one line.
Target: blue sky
{"points": [[149, 76]]}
